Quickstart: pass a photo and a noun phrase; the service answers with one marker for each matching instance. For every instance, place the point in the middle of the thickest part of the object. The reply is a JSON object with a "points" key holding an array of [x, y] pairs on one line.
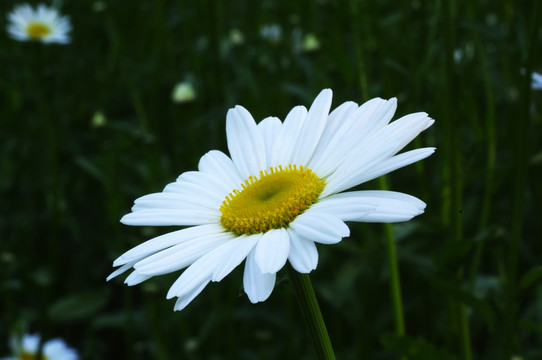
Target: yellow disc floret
{"points": [[271, 201], [37, 30], [32, 356]]}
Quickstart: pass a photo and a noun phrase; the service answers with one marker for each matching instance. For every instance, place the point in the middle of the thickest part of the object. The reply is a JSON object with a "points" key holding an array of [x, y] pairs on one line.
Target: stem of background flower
{"points": [[311, 314], [357, 33], [452, 172], [521, 161], [139, 108], [53, 195], [491, 146]]}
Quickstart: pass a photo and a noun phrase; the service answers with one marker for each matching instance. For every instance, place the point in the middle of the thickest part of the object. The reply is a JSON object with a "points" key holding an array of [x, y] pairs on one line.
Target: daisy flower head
{"points": [[281, 191], [41, 24], [27, 348]]}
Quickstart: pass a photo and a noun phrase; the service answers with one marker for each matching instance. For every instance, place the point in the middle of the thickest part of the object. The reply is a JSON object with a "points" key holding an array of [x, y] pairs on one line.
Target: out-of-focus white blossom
{"points": [[536, 81], [183, 92]]}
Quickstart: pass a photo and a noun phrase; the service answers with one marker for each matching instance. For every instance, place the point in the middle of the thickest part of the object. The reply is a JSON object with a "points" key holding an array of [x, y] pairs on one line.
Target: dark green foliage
{"points": [[469, 267], [414, 348]]}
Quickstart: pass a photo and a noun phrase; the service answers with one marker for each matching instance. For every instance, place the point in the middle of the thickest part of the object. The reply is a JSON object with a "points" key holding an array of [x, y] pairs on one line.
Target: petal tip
{"points": [[323, 98], [327, 92], [119, 261], [125, 219]]}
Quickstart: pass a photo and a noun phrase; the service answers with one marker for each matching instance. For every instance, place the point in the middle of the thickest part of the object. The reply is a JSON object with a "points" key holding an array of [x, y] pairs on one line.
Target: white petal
{"points": [[270, 129], [337, 120], [344, 206], [194, 276], [406, 129], [200, 271], [209, 196], [120, 270], [396, 162], [180, 256], [394, 207], [285, 143], [170, 217], [195, 184], [321, 228], [312, 128], [170, 200], [184, 300], [164, 241], [372, 206], [272, 251], [373, 118], [351, 131], [382, 145], [258, 286], [136, 278], [245, 142], [219, 165], [233, 254], [207, 183], [303, 253]]}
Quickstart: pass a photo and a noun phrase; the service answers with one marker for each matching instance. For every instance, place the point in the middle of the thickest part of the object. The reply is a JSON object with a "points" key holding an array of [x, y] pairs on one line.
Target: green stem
{"points": [[311, 314], [395, 282]]}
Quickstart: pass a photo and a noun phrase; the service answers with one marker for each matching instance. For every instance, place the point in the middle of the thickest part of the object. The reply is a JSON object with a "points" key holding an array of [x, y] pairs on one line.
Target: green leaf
{"points": [[532, 276], [110, 320], [78, 306], [453, 252], [92, 170], [454, 289]]}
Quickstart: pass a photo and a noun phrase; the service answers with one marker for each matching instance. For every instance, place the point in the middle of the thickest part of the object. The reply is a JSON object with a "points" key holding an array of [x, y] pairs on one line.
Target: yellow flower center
{"points": [[271, 201], [37, 30], [32, 356]]}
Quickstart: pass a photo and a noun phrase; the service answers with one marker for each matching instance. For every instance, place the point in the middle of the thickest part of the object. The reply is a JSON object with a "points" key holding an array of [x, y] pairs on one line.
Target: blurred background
{"points": [[88, 127]]}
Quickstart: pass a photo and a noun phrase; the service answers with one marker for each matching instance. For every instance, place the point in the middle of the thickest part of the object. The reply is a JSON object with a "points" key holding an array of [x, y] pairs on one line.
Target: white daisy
{"points": [[27, 348], [43, 24], [536, 81], [279, 193]]}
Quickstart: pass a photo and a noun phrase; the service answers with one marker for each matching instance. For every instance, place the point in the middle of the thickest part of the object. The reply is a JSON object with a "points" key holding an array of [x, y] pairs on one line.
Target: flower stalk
{"points": [[395, 282], [311, 314]]}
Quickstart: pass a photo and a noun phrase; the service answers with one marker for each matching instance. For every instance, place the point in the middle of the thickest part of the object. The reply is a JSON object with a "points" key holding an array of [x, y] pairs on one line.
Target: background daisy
{"points": [[27, 348], [41, 24]]}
